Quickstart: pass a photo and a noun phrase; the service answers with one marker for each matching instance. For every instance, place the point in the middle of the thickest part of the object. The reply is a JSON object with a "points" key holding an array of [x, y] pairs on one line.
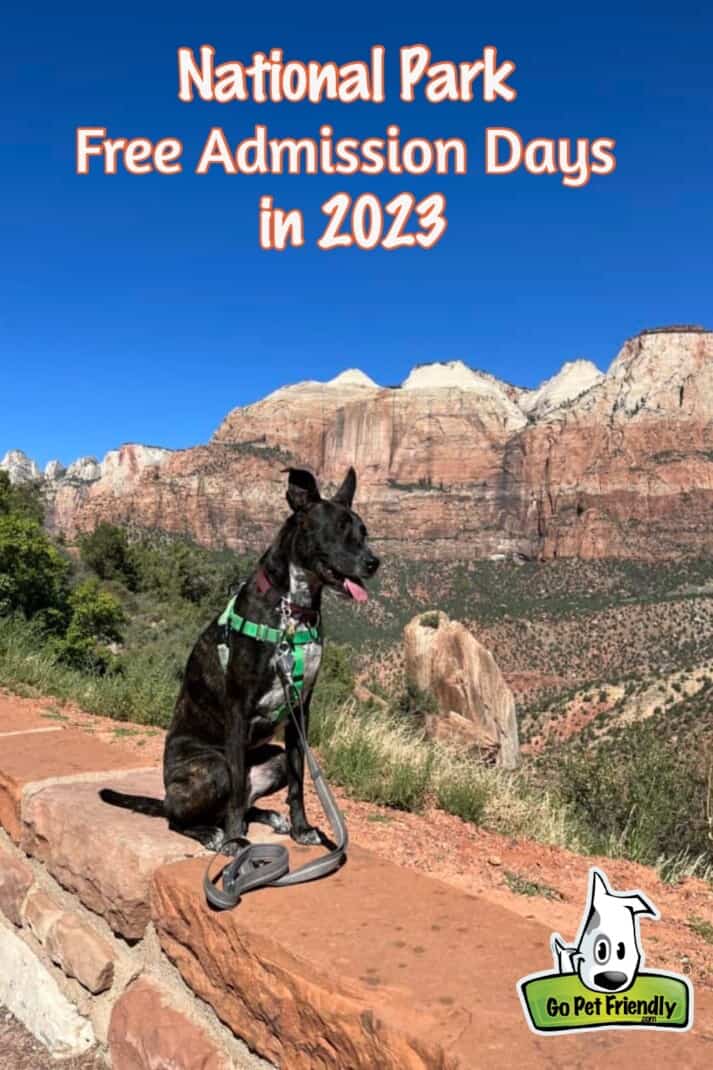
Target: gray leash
{"points": [[262, 865]]}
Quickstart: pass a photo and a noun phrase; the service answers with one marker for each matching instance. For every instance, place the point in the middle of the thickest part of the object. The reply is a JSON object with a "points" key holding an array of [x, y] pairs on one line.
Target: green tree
{"points": [[174, 570], [22, 499], [107, 552], [96, 619], [33, 574]]}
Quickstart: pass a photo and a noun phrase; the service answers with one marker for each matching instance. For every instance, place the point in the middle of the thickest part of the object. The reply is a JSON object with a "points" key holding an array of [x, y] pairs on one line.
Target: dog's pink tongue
{"points": [[356, 591]]}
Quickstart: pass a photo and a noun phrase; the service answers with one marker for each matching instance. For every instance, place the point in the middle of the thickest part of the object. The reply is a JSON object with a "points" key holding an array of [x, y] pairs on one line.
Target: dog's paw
{"points": [[306, 835], [279, 824]]}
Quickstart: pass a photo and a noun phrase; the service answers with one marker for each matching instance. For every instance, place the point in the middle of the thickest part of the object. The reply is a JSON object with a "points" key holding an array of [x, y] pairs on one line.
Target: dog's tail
{"points": [[140, 804]]}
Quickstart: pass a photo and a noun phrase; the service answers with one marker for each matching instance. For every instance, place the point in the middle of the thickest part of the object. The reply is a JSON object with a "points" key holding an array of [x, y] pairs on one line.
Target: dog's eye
{"points": [[602, 949], [620, 950]]}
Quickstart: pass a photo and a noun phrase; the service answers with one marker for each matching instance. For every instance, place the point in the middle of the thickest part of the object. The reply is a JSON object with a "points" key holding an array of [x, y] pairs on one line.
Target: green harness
{"points": [[292, 640]]}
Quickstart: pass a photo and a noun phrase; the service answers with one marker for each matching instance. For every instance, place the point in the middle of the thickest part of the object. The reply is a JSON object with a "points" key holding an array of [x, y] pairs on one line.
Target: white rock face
{"points": [[347, 384], [353, 377], [121, 466], [31, 993], [449, 375], [572, 380], [666, 372], [54, 470], [20, 467], [86, 469], [498, 398]]}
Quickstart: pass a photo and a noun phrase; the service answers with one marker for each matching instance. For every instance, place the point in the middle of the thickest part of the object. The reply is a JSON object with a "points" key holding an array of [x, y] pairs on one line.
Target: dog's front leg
{"points": [[300, 830], [236, 742]]}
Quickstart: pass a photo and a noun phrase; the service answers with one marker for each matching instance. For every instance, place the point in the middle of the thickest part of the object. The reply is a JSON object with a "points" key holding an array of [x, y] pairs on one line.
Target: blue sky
{"points": [[143, 309]]}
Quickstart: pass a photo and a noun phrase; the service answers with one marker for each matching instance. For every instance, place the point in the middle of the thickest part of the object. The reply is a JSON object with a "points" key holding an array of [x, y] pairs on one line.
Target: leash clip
{"points": [[285, 660]]}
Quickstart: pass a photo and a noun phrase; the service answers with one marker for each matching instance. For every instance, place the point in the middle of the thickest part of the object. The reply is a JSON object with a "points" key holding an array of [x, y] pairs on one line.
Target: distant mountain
{"points": [[454, 463]]}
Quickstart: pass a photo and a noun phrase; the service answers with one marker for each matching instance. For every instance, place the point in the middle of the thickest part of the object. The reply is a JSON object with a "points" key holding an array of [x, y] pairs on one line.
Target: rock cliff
{"points": [[452, 463]]}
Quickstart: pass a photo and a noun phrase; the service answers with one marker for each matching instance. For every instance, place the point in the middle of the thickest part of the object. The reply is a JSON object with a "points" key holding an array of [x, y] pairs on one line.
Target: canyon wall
{"points": [[453, 463]]}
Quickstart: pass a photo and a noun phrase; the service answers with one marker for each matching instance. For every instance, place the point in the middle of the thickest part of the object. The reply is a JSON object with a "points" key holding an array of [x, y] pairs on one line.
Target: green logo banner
{"points": [[557, 1002]]}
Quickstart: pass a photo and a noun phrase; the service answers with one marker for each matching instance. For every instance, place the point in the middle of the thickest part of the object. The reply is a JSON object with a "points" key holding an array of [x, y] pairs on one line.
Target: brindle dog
{"points": [[219, 758]]}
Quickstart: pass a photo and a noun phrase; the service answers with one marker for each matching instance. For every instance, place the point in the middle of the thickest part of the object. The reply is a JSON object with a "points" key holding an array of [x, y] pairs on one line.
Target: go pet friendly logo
{"points": [[599, 983]]}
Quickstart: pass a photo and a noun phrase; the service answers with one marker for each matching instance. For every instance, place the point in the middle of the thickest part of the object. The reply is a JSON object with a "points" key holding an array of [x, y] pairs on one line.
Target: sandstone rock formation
{"points": [[54, 470], [475, 705], [20, 467], [573, 379], [454, 463]]}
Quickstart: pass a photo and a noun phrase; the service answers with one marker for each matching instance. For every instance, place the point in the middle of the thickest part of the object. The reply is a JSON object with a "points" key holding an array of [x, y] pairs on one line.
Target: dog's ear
{"points": [[302, 489], [345, 494]]}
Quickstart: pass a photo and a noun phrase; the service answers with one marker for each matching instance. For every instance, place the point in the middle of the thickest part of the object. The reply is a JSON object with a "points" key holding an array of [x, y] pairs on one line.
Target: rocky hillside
{"points": [[453, 463]]}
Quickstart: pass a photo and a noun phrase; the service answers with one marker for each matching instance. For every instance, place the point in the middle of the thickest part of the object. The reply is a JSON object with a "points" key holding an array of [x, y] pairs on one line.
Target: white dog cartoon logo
{"points": [[600, 982], [607, 956]]}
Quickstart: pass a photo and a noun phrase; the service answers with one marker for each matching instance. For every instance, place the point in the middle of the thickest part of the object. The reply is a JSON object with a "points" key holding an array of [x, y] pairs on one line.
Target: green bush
{"points": [[34, 576], [415, 704], [22, 499], [141, 690], [106, 552], [464, 792], [96, 619], [375, 760], [635, 794]]}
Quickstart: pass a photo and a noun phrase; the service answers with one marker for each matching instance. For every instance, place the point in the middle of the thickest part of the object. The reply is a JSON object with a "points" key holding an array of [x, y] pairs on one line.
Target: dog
{"points": [[219, 755], [607, 956]]}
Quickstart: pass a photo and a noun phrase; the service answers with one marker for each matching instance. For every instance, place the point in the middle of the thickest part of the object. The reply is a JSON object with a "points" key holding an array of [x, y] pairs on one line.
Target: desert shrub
{"points": [[414, 704], [463, 791], [635, 794], [376, 760]]}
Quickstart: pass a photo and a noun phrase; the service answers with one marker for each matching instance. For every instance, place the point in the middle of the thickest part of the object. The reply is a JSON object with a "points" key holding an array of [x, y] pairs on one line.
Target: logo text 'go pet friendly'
{"points": [[599, 983]]}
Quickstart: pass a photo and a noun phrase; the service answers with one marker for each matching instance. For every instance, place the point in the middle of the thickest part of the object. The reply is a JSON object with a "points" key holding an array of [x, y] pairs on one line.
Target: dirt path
{"points": [[549, 882]]}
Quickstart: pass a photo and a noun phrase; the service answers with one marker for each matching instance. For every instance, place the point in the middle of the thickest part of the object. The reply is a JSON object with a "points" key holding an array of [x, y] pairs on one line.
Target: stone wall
{"points": [[106, 942]]}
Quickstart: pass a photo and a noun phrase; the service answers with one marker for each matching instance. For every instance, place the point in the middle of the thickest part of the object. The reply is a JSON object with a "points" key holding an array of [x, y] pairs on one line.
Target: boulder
{"points": [[475, 705]]}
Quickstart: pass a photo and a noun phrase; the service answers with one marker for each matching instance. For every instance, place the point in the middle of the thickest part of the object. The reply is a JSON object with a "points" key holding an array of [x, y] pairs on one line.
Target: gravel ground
{"points": [[20, 1051]]}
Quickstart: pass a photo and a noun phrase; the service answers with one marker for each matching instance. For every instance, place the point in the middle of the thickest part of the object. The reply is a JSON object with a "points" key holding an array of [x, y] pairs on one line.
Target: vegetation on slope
{"points": [[110, 628]]}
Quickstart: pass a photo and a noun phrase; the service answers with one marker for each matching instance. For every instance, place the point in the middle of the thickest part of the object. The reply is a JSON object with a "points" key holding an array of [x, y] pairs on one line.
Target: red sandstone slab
{"points": [[380, 966], [107, 855], [36, 756]]}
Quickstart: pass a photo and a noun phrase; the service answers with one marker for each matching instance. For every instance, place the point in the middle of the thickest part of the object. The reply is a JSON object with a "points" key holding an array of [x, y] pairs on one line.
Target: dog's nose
{"points": [[372, 563], [610, 979]]}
